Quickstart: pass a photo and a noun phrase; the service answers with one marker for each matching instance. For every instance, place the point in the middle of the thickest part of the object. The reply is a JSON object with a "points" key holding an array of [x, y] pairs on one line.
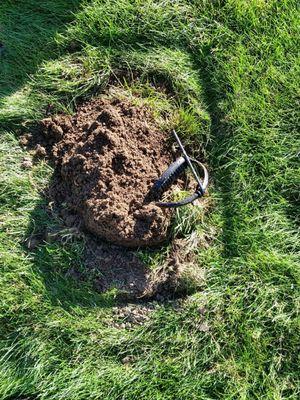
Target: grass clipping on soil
{"points": [[107, 157]]}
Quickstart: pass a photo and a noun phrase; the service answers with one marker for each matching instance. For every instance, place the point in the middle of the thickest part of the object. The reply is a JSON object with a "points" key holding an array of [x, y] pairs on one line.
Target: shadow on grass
{"points": [[218, 154], [59, 264], [66, 276], [27, 37], [78, 270], [25, 50]]}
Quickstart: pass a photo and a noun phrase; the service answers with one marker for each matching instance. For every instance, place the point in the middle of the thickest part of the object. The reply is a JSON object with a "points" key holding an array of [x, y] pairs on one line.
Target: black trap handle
{"points": [[173, 172], [168, 177]]}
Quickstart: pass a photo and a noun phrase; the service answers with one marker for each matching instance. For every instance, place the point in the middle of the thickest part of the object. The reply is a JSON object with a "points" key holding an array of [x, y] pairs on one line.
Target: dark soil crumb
{"points": [[26, 163], [25, 139], [33, 241], [107, 158], [40, 151]]}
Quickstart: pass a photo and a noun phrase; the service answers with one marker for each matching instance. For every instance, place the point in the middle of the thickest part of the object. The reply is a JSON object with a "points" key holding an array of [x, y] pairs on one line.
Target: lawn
{"points": [[231, 69]]}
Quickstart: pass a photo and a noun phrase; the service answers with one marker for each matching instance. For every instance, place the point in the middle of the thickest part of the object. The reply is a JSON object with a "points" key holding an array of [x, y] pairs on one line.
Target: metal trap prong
{"points": [[187, 159]]}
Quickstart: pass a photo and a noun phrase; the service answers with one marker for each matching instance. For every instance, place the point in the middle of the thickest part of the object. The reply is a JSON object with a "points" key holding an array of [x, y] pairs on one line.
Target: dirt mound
{"points": [[107, 157]]}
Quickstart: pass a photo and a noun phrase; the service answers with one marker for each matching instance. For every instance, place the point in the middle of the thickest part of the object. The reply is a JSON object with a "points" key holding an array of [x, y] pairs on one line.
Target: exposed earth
{"points": [[107, 157]]}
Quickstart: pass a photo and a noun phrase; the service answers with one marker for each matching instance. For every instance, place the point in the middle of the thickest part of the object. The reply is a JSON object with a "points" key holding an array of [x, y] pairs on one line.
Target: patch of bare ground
{"points": [[106, 158]]}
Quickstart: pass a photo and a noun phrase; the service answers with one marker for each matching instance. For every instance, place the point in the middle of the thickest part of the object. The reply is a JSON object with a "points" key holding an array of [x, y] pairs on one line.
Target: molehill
{"points": [[107, 157]]}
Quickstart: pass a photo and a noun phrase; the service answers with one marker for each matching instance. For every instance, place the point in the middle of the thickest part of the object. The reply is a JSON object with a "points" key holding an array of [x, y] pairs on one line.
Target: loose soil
{"points": [[107, 157]]}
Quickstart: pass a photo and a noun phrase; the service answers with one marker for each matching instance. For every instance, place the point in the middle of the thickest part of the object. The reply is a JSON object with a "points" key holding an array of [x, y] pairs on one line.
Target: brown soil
{"points": [[107, 157]]}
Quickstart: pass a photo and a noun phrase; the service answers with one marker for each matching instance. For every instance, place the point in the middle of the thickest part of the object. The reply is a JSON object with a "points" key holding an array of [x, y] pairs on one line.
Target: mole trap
{"points": [[173, 172]]}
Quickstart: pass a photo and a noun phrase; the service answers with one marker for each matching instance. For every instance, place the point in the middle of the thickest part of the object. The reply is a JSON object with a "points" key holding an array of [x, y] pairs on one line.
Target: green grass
{"points": [[232, 70]]}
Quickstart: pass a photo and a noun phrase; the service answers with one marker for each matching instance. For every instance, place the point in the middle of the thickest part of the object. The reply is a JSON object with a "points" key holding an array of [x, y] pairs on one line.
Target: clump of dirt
{"points": [[107, 157]]}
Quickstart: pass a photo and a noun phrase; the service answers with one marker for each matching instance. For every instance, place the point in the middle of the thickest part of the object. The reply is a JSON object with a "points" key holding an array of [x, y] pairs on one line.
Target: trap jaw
{"points": [[173, 172]]}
